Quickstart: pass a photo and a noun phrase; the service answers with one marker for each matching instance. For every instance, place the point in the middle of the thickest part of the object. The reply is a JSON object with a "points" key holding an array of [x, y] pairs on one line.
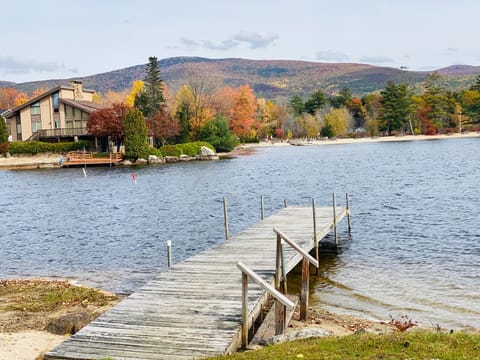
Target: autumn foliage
{"points": [[108, 122]]}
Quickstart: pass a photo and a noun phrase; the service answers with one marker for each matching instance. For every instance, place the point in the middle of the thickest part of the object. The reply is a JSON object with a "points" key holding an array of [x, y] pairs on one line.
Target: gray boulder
{"points": [[304, 333], [171, 159], [140, 161], [205, 151], [153, 159]]}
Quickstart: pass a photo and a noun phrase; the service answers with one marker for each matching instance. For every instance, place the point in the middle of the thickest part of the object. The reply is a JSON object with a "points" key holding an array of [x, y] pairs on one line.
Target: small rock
{"points": [[140, 161], [301, 334], [171, 159], [126, 162], [153, 159], [69, 323], [205, 151]]}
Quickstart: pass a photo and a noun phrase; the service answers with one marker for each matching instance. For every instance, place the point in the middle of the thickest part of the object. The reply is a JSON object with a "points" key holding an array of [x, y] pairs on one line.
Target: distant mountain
{"points": [[273, 79]]}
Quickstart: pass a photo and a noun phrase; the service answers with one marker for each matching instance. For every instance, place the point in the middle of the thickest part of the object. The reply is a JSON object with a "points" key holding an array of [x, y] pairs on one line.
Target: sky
{"points": [[53, 39]]}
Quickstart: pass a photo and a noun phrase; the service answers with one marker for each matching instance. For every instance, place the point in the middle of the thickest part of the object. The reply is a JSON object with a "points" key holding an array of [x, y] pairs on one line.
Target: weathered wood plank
{"points": [[194, 309]]}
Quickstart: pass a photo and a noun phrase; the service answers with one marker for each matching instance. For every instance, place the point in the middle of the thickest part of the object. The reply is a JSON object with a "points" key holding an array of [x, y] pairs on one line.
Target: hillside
{"points": [[273, 79]]}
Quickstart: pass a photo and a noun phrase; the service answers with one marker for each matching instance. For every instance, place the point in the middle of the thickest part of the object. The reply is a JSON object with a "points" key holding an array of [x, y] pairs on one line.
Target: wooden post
{"points": [[225, 217], [262, 213], [284, 274], [305, 289], [169, 253], [315, 239], [280, 318], [278, 262], [285, 203], [348, 214], [244, 310], [335, 221]]}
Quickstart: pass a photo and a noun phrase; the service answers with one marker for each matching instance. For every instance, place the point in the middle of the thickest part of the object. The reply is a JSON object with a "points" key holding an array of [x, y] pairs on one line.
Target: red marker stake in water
{"points": [[134, 178]]}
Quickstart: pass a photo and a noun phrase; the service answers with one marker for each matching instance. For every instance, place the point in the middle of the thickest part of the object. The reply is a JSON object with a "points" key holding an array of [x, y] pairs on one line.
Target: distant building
{"points": [[60, 114]]}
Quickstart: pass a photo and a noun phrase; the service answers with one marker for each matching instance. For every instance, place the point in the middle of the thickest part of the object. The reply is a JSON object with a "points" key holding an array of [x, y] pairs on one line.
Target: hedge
{"points": [[35, 147], [190, 149]]}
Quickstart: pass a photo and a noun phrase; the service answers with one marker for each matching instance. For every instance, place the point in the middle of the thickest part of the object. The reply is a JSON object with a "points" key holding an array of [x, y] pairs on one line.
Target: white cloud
{"points": [[329, 55], [224, 45], [11, 65], [256, 40]]}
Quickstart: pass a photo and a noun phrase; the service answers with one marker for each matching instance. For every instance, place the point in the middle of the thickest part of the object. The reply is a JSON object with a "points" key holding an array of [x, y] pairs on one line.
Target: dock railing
{"points": [[280, 271], [281, 302]]}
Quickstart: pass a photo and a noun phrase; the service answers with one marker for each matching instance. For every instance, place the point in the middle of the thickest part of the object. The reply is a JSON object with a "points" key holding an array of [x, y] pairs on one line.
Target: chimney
{"points": [[77, 89]]}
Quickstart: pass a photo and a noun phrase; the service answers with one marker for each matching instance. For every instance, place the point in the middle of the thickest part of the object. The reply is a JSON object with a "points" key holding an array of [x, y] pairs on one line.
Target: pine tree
{"points": [[150, 100], [135, 135]]}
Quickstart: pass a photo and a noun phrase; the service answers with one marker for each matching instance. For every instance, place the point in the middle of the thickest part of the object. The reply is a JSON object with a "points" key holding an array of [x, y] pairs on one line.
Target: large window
{"points": [[36, 126], [35, 108], [55, 102]]}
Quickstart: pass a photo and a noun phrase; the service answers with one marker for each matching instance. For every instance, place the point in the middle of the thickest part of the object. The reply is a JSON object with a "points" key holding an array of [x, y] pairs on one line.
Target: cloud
{"points": [[329, 55], [376, 59], [224, 45], [189, 43], [450, 51], [10, 65], [256, 40]]}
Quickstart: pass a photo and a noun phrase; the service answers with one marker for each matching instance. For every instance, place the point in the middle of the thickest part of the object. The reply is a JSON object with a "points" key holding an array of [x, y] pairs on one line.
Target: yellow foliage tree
{"points": [[137, 87], [339, 120]]}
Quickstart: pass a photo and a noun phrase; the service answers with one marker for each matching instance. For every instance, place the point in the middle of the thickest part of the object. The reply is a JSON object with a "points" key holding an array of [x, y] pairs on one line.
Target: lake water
{"points": [[415, 245]]}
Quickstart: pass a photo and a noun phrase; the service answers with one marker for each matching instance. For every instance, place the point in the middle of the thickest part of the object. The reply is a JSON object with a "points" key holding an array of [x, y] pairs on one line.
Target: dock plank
{"points": [[193, 310]]}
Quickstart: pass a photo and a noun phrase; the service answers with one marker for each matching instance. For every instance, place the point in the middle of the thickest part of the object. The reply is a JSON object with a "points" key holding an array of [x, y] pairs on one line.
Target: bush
{"points": [[217, 133], [135, 135], [3, 148], [171, 150], [36, 147], [199, 144], [155, 151]]}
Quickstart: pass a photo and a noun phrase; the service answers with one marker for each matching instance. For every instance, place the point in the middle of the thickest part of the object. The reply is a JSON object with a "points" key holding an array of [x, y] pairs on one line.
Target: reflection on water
{"points": [[415, 236]]}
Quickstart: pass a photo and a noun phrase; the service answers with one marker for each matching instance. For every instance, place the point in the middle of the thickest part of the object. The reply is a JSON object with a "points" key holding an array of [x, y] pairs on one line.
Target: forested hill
{"points": [[273, 79]]}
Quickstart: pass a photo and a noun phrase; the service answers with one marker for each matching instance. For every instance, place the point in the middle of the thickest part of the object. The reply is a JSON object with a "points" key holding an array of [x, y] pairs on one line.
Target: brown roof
{"points": [[86, 106]]}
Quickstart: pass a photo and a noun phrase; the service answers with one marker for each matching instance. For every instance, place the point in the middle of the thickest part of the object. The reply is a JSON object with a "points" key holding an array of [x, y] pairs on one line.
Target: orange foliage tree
{"points": [[10, 97]]}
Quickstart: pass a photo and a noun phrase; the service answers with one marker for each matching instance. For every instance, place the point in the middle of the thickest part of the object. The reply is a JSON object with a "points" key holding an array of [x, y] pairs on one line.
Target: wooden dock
{"points": [[194, 309], [82, 158]]}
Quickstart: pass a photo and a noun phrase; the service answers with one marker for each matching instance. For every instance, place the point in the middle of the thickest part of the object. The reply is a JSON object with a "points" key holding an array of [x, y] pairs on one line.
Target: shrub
{"points": [[199, 144], [189, 149], [155, 151], [135, 135], [217, 133], [35, 147], [3, 148], [171, 150]]}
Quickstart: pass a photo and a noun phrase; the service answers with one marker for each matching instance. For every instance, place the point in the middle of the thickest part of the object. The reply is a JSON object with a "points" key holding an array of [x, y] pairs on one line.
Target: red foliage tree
{"points": [[163, 127], [108, 122]]}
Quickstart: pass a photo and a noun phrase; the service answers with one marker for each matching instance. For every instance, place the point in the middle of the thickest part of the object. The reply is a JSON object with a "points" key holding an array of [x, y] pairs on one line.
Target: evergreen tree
{"points": [[476, 84], [3, 131], [296, 105], [135, 135], [150, 100], [342, 99], [396, 107], [217, 133], [183, 116], [315, 102]]}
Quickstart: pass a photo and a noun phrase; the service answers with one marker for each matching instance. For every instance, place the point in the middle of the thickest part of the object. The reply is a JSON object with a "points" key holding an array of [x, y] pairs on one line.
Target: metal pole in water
{"points": [[335, 220], [225, 217], [262, 208], [348, 214], [169, 253], [285, 203]]}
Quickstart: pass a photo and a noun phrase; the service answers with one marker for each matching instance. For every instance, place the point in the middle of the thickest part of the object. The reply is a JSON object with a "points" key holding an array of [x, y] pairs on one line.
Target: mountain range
{"points": [[272, 79]]}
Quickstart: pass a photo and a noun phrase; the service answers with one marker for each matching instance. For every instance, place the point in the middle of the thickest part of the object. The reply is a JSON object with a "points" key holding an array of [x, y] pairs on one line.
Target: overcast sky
{"points": [[50, 39]]}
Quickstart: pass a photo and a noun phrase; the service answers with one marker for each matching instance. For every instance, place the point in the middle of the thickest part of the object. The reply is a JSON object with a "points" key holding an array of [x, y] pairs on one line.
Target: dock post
{"points": [[244, 310], [225, 217], [348, 214], [285, 203], [169, 253], [335, 220], [278, 262], [315, 239], [284, 274], [261, 208], [280, 318], [305, 289]]}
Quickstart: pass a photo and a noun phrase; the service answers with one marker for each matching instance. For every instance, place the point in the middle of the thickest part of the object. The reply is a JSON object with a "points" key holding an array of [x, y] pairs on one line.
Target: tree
{"points": [[137, 87], [108, 122], [217, 133], [396, 107], [296, 105], [436, 100], [3, 131], [183, 116], [338, 121], [9, 98], [135, 135], [150, 100], [315, 102], [163, 127], [342, 99], [242, 116]]}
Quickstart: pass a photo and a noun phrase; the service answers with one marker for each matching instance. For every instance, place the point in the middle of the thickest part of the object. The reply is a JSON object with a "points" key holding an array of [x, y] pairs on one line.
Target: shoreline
{"points": [[51, 161]]}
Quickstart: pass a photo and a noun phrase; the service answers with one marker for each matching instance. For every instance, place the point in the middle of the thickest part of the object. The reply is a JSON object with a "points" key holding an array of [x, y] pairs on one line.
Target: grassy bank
{"points": [[406, 345]]}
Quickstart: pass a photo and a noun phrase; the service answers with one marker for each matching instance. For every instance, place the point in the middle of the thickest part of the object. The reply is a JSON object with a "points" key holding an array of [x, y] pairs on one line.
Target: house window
{"points": [[68, 112], [35, 108], [36, 126], [55, 102]]}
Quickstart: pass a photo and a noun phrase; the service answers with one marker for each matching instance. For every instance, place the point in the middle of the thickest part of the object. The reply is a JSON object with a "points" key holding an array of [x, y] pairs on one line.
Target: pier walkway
{"points": [[194, 309]]}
